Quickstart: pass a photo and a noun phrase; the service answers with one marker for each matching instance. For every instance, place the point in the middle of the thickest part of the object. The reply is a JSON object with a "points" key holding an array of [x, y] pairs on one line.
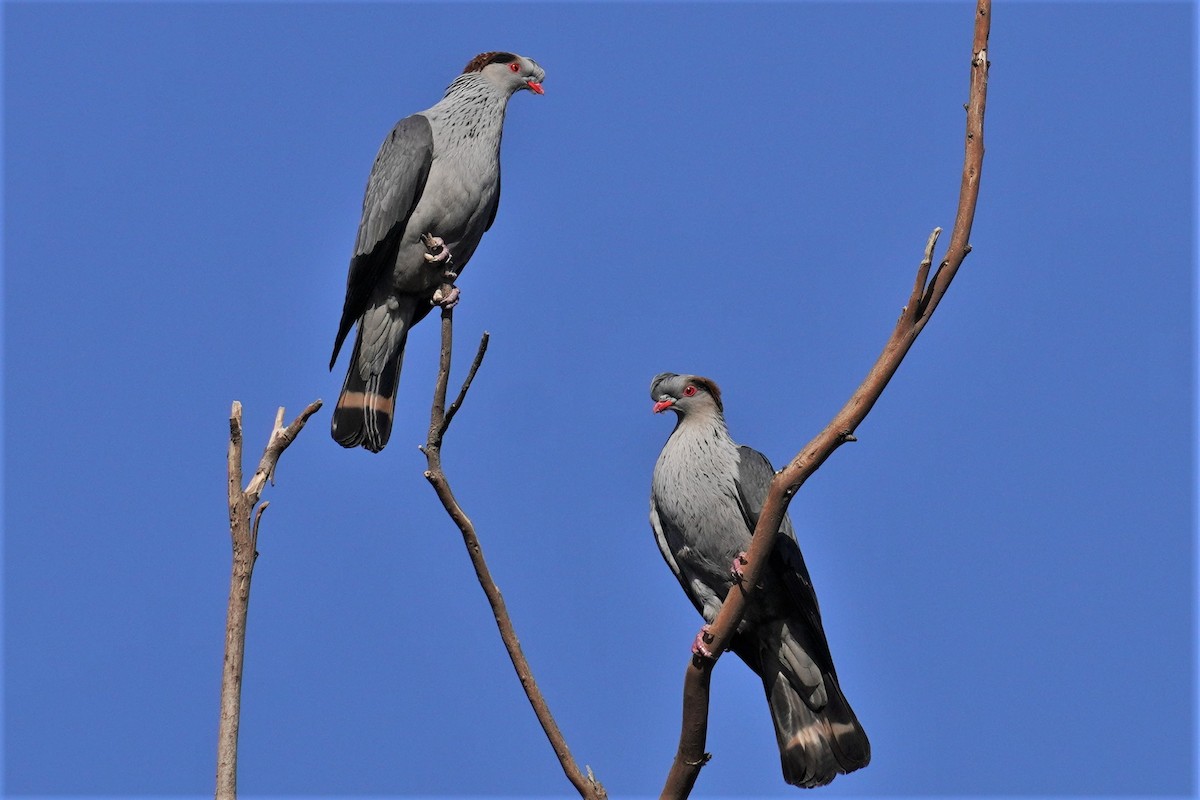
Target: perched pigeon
{"points": [[705, 500], [432, 193]]}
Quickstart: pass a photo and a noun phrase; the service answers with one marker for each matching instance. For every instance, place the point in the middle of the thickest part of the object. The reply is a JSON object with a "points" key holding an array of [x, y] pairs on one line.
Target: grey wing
{"points": [[755, 474], [393, 190], [754, 479], [663, 537]]}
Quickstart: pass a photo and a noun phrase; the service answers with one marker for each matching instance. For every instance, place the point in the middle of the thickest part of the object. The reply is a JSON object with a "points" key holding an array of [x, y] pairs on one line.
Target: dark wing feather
{"points": [[393, 191], [786, 561]]}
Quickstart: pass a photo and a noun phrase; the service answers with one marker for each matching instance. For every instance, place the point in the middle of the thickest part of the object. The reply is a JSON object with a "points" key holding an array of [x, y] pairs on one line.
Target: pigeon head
{"points": [[508, 71], [684, 394]]}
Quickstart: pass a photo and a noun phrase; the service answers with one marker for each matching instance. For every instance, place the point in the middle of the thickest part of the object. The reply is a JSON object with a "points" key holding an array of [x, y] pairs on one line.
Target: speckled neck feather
{"points": [[473, 108]]}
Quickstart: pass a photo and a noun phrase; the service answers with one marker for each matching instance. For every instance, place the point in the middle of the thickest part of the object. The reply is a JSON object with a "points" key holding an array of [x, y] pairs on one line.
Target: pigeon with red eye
{"points": [[706, 495], [432, 194]]}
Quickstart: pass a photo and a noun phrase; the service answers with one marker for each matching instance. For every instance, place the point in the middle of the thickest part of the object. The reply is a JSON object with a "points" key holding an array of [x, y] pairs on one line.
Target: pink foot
{"points": [[447, 300], [703, 640], [738, 568], [438, 253]]}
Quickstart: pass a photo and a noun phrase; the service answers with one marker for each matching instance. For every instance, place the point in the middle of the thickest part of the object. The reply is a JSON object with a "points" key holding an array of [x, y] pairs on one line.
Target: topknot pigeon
{"points": [[432, 193], [706, 496]]}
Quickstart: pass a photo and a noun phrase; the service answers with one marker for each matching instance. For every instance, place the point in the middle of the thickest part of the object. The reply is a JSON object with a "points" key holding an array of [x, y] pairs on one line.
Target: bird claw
{"points": [[447, 300], [700, 645], [738, 568], [438, 253]]}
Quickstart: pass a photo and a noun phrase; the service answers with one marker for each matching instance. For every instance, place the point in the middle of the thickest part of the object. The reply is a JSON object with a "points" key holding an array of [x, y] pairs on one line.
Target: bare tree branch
{"points": [[244, 533], [462, 393], [439, 422], [922, 302]]}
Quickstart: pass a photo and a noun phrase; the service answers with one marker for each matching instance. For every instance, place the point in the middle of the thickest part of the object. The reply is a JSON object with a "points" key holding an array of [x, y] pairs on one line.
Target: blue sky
{"points": [[1004, 560]]}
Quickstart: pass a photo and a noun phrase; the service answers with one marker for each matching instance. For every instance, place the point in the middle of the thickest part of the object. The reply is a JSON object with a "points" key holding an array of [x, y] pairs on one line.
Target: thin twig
{"points": [[243, 531], [915, 306], [690, 756], [439, 422], [462, 393], [281, 437]]}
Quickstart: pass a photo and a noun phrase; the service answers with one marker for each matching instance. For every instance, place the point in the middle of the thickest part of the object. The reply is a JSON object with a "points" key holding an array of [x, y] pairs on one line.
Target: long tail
{"points": [[364, 411], [815, 745]]}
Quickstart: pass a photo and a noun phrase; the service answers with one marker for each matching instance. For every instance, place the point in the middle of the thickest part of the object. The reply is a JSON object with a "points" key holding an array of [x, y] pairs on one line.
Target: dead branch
{"points": [[439, 422], [923, 301], [244, 532]]}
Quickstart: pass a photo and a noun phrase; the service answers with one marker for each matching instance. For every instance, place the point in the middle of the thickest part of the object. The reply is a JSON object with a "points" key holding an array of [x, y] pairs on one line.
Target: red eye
{"points": [[689, 391], [515, 67]]}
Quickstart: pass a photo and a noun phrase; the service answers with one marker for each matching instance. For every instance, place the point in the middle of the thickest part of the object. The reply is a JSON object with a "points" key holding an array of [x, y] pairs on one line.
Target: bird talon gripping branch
{"points": [[738, 568], [438, 251], [448, 300], [703, 639]]}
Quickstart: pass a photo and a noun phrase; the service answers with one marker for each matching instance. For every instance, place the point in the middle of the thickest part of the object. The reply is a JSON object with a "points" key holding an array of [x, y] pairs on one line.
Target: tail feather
{"points": [[816, 742], [364, 411], [851, 747]]}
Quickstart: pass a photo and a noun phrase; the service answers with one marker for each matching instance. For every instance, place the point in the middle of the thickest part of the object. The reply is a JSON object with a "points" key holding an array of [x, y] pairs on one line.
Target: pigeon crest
{"points": [[483, 59]]}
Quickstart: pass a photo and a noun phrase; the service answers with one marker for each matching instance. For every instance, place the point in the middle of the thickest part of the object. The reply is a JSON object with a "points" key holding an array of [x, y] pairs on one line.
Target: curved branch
{"points": [[439, 422], [923, 301]]}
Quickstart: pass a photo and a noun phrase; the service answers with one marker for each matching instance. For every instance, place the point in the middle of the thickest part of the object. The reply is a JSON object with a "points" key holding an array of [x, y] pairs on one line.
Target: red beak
{"points": [[535, 86], [663, 405]]}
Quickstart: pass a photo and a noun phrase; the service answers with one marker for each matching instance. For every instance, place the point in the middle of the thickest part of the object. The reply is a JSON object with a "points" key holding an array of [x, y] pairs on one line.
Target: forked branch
{"points": [[923, 301], [439, 422], [244, 520]]}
